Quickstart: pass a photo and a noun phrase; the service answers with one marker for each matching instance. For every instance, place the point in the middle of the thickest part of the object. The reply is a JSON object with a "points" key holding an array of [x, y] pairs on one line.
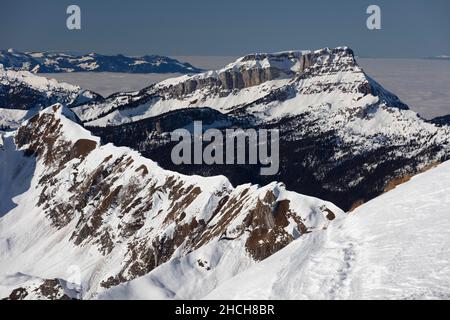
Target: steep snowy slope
{"points": [[396, 246], [15, 174], [22, 94], [112, 215]]}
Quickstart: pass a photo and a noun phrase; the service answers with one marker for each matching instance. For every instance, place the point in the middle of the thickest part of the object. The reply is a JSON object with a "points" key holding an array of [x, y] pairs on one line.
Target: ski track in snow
{"points": [[393, 247]]}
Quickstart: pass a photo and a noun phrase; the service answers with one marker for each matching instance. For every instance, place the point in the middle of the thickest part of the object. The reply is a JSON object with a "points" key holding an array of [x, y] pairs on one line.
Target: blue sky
{"points": [[410, 28]]}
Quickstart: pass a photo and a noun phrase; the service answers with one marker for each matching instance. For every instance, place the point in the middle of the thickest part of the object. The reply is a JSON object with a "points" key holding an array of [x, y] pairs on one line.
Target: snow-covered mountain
{"points": [[55, 62], [114, 216], [249, 78], [84, 218], [302, 78], [344, 138], [393, 247], [22, 94]]}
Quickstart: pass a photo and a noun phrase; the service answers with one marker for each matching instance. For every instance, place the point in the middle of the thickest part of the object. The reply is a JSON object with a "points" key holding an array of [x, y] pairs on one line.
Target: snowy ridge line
{"points": [[116, 216]]}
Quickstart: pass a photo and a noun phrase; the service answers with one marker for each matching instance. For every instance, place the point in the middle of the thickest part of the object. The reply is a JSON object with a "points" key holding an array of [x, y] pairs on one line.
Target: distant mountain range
{"points": [[443, 57], [57, 62]]}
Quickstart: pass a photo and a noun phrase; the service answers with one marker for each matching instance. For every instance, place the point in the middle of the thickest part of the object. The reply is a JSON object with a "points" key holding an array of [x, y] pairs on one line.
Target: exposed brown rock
{"points": [[144, 170], [330, 214], [356, 204], [48, 289], [82, 148], [400, 180], [17, 294], [51, 289], [266, 223]]}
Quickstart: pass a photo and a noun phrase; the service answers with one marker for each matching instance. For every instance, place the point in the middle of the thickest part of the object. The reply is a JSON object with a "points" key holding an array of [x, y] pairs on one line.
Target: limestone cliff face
{"points": [[243, 81], [252, 70]]}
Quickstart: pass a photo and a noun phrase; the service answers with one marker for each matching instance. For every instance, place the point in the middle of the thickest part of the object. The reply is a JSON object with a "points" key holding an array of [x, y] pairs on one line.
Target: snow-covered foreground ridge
{"points": [[98, 221], [396, 246], [112, 215]]}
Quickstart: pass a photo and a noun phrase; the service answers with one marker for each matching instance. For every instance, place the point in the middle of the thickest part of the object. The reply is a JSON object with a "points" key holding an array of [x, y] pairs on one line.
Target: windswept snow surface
{"points": [[396, 246]]}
